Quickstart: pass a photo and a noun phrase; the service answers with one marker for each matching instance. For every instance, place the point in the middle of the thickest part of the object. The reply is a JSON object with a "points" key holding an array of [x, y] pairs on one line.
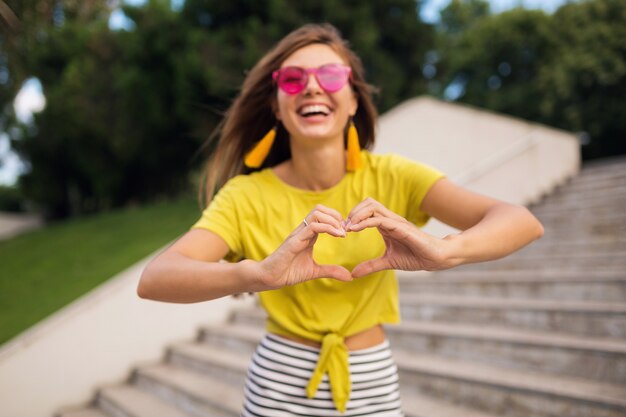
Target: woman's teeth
{"points": [[314, 109]]}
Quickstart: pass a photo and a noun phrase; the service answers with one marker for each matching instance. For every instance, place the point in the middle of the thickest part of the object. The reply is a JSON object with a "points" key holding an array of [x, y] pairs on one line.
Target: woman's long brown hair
{"points": [[251, 114]]}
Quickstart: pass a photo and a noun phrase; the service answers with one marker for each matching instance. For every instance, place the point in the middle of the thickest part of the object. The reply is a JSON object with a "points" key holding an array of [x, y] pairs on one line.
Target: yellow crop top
{"points": [[255, 213]]}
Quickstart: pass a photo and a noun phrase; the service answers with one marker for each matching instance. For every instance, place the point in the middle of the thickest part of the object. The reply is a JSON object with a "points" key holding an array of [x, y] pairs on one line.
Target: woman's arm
{"points": [[490, 228], [189, 270]]}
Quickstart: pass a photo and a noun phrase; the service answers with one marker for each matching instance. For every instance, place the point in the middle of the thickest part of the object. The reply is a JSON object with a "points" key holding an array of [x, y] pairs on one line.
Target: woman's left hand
{"points": [[407, 247]]}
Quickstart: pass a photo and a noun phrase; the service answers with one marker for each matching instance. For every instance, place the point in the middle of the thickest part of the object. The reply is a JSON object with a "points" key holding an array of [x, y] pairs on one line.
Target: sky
{"points": [[31, 100]]}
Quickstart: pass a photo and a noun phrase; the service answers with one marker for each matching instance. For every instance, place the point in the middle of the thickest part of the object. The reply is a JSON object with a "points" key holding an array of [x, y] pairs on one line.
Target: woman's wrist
{"points": [[253, 275], [455, 250]]}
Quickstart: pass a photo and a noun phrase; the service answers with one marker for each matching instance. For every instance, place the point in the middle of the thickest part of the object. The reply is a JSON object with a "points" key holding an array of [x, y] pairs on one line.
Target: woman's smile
{"points": [[314, 113]]}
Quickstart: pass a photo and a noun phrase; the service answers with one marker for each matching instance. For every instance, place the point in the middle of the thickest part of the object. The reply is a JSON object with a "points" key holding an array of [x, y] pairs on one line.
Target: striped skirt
{"points": [[280, 370]]}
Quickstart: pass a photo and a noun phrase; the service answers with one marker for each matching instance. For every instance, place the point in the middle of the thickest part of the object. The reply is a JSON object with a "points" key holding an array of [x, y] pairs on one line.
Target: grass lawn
{"points": [[44, 270]]}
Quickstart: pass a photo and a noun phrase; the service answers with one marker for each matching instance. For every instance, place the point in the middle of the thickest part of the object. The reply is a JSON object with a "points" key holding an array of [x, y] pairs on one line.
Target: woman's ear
{"points": [[354, 104], [275, 111]]}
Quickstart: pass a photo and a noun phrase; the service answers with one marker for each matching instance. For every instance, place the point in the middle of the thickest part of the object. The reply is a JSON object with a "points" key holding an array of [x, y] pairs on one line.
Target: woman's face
{"points": [[327, 120]]}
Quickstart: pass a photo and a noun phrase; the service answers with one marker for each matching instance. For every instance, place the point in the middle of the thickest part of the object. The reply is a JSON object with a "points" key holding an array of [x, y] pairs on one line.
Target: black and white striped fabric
{"points": [[280, 371]]}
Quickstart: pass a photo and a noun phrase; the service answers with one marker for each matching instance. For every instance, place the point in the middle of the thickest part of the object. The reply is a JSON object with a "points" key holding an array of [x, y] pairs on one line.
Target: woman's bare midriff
{"points": [[362, 340]]}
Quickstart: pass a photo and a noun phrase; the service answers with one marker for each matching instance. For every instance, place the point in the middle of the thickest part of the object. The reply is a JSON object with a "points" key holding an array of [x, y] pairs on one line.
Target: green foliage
{"points": [[122, 109], [584, 81], [566, 70], [502, 56], [460, 15], [45, 269]]}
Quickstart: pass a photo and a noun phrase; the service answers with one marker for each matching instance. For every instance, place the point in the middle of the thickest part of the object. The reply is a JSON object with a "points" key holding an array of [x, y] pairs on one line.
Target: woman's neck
{"points": [[314, 168]]}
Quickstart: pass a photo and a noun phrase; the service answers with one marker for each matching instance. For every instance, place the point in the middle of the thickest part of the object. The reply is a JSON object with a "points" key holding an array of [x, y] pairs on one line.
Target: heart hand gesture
{"points": [[407, 247], [293, 263]]}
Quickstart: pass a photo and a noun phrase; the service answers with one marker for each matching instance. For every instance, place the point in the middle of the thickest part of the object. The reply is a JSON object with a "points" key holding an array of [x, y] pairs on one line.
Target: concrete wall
{"points": [[93, 342], [499, 156]]}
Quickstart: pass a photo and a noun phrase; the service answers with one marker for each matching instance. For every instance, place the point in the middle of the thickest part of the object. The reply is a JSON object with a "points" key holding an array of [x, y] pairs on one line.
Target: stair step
{"points": [[461, 274], [575, 317], [240, 339], [558, 262], [450, 378], [204, 357], [599, 173], [577, 216], [82, 412], [565, 223], [212, 360], [615, 247], [514, 393], [592, 174], [195, 393], [601, 359], [590, 318], [547, 242], [129, 401], [597, 206], [416, 405], [590, 285], [221, 363], [611, 195], [572, 260], [581, 185]]}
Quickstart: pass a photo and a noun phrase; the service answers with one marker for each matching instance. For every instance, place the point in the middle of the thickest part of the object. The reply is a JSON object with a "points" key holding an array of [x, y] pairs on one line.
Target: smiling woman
{"points": [[316, 224]]}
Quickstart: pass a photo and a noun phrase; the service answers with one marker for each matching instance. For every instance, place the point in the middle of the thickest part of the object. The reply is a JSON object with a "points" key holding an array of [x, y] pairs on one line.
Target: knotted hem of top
{"points": [[334, 361]]}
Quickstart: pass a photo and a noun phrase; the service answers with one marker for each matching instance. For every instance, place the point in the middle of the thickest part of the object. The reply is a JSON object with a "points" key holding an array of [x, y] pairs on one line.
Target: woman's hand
{"points": [[407, 247], [292, 263]]}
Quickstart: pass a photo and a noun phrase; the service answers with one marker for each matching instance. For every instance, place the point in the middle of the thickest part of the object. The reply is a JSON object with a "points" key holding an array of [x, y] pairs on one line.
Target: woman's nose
{"points": [[312, 86]]}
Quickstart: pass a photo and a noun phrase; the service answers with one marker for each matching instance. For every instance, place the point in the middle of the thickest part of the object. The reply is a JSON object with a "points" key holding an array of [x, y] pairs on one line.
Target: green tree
{"points": [[121, 116], [460, 15], [497, 61], [566, 70], [584, 81]]}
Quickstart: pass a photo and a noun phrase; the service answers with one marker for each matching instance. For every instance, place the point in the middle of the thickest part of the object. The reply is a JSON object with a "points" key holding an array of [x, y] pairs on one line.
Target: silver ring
{"points": [[305, 222]]}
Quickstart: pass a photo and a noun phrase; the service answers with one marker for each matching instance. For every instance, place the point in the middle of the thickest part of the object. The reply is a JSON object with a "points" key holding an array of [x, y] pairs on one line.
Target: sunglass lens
{"points": [[332, 77], [292, 80]]}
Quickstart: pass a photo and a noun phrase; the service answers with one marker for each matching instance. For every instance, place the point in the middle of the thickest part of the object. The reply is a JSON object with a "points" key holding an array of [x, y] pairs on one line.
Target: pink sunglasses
{"points": [[331, 77]]}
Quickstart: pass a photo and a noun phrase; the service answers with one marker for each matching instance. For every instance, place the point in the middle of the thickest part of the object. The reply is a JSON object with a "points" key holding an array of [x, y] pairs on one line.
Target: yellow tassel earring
{"points": [[255, 158], [353, 159]]}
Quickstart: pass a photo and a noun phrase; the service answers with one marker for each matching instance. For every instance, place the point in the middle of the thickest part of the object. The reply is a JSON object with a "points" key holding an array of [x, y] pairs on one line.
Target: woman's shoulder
{"points": [[247, 184], [390, 161], [396, 169]]}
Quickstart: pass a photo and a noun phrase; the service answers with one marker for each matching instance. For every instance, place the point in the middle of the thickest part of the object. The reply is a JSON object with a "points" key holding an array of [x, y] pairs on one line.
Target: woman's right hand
{"points": [[293, 263]]}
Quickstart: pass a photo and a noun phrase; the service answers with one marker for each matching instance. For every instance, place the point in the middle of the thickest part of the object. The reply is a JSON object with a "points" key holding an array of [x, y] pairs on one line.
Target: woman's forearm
{"points": [[173, 277], [504, 229]]}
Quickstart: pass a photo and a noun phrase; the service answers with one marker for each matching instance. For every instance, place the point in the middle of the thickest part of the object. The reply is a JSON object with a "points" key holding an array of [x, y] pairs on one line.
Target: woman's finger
{"points": [[320, 208], [371, 266], [371, 208], [315, 228], [334, 271], [317, 216], [390, 226]]}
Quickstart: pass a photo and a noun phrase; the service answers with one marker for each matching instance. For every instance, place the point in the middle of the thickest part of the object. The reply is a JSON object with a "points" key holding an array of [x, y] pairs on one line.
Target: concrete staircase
{"points": [[541, 333]]}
